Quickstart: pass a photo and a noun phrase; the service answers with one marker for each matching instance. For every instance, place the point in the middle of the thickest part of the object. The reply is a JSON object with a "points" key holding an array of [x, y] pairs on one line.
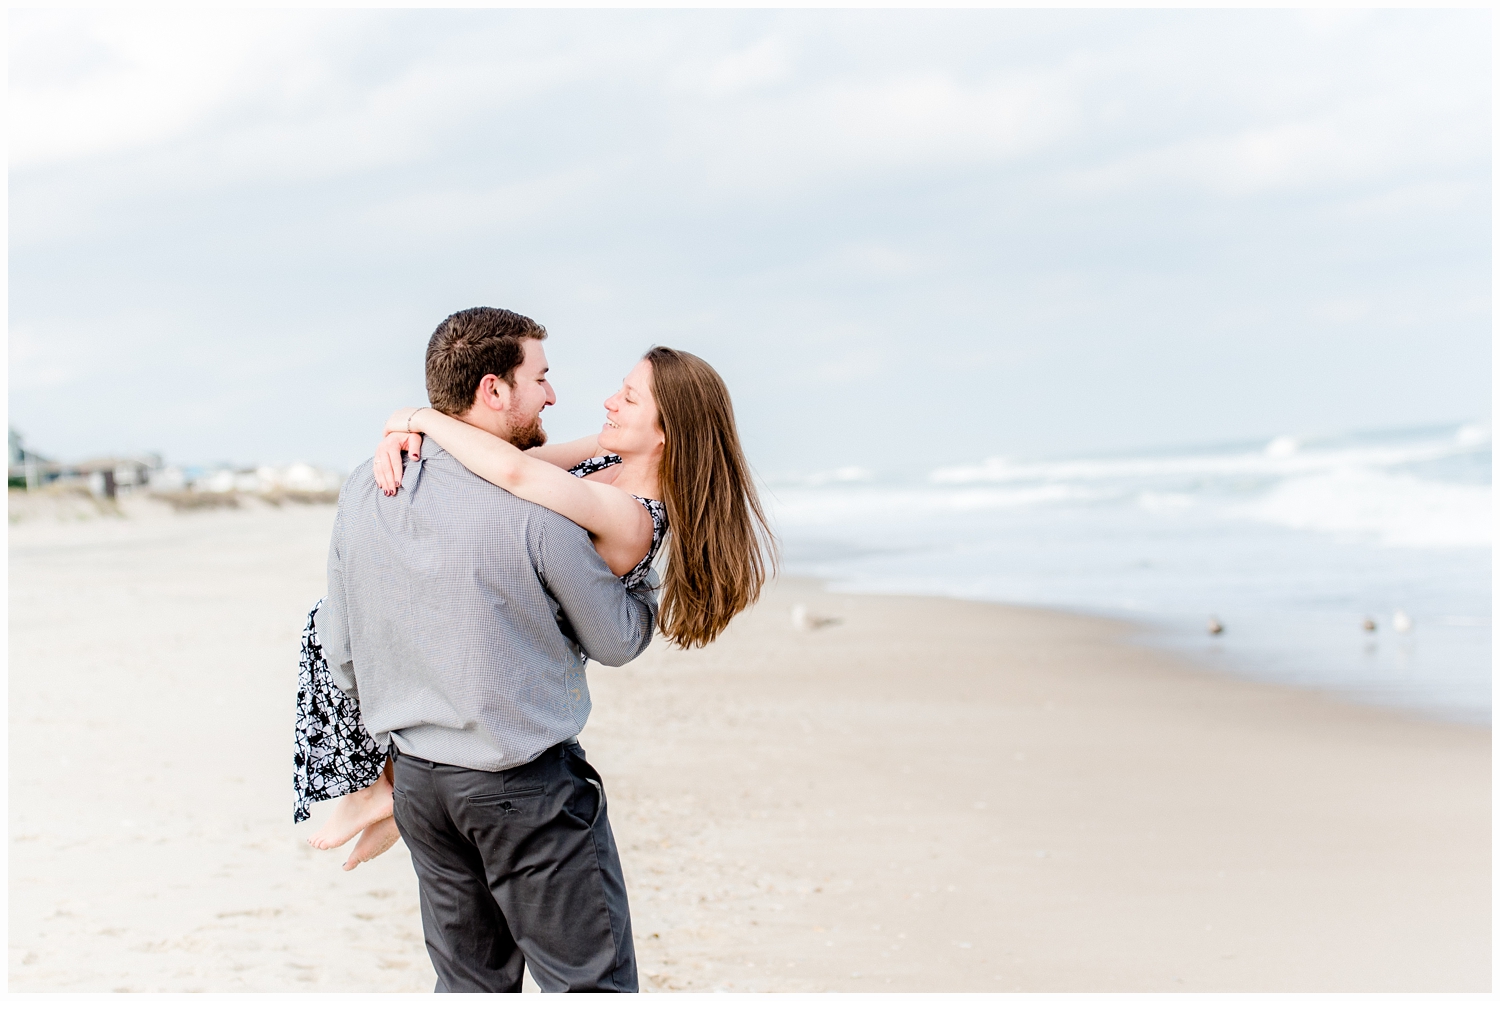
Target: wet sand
{"points": [[926, 795]]}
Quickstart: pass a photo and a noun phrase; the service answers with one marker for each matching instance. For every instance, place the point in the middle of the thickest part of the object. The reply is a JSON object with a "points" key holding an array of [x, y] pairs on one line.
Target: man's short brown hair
{"points": [[471, 344]]}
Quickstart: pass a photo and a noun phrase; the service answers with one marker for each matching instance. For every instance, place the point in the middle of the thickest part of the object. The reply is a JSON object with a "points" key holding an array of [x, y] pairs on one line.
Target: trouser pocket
{"points": [[588, 801]]}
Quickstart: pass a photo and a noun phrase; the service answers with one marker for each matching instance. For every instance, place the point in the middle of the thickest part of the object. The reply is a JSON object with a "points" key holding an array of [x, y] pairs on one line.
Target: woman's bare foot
{"points": [[353, 814], [376, 839]]}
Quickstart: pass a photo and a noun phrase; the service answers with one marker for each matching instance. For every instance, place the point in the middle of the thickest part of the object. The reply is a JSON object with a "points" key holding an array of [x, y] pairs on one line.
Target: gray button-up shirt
{"points": [[460, 616]]}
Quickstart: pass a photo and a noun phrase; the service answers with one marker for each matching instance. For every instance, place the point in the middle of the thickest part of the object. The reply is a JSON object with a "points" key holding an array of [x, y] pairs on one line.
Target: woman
{"points": [[670, 459]]}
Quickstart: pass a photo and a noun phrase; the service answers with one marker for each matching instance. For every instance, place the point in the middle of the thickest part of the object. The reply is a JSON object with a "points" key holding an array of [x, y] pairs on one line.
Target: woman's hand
{"points": [[388, 458]]}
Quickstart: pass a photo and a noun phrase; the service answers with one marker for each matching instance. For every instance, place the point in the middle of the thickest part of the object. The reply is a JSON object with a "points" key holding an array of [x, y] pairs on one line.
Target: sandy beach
{"points": [[926, 795]]}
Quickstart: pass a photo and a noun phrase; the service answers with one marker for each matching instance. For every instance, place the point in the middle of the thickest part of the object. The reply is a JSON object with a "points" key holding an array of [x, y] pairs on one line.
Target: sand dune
{"points": [[925, 795]]}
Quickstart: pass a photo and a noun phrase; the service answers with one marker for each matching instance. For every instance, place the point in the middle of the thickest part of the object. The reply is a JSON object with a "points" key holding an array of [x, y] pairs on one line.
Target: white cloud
{"points": [[755, 184], [458, 211], [1341, 310], [868, 126], [876, 259], [848, 367], [258, 98], [87, 85], [759, 66], [35, 363], [1344, 148]]}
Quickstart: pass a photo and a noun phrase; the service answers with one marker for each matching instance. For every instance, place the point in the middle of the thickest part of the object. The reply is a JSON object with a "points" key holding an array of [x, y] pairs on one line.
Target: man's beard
{"points": [[528, 435]]}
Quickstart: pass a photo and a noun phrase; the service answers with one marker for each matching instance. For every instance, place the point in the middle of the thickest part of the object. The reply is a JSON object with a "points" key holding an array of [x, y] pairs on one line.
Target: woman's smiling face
{"points": [[631, 426]]}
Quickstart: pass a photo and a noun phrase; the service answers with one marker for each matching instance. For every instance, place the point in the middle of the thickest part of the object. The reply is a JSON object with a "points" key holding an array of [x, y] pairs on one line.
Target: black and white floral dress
{"points": [[334, 756]]}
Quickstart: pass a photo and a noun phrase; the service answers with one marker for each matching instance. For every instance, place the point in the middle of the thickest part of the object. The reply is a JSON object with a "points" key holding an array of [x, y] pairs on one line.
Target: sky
{"points": [[904, 238]]}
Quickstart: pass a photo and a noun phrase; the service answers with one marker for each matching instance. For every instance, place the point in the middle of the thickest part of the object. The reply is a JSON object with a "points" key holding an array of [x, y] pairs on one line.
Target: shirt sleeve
{"points": [[612, 624], [333, 617]]}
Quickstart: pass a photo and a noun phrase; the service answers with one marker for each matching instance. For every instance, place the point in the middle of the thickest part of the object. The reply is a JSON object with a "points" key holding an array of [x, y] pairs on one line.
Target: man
{"points": [[460, 618]]}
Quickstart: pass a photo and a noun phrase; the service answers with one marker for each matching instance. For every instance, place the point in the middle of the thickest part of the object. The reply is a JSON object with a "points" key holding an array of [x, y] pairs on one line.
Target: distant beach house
{"points": [[107, 475], [27, 468], [16, 459], [301, 477], [104, 474]]}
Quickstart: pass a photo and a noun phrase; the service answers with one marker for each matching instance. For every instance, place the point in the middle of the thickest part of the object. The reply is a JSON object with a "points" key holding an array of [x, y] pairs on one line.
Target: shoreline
{"points": [[73, 511], [929, 795], [1169, 636]]}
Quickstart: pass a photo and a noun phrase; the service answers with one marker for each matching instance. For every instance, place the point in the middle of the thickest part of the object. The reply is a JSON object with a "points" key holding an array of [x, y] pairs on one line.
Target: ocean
{"points": [[1290, 545]]}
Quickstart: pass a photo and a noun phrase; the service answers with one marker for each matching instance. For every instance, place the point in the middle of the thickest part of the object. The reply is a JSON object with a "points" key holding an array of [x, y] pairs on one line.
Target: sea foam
{"points": [[1291, 541], [1394, 510]]}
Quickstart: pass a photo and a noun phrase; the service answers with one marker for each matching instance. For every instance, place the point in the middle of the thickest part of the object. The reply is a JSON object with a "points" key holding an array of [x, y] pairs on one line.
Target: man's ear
{"points": [[494, 393]]}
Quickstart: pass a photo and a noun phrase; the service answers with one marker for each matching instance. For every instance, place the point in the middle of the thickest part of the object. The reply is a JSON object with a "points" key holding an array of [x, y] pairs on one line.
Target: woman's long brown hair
{"points": [[719, 548]]}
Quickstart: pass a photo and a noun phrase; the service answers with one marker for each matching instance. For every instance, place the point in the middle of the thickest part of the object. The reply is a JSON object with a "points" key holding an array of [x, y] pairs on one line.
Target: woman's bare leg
{"points": [[376, 839], [356, 812]]}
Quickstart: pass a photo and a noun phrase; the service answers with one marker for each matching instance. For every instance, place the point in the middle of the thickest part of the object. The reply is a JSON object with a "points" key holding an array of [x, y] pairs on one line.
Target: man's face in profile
{"points": [[530, 395]]}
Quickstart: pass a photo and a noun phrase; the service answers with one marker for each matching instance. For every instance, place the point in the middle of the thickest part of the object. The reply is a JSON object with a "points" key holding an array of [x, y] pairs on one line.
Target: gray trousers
{"points": [[517, 868]]}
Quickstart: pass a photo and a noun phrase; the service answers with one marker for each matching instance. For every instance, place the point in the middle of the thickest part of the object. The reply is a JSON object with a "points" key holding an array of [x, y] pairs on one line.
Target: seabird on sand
{"points": [[803, 621]]}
